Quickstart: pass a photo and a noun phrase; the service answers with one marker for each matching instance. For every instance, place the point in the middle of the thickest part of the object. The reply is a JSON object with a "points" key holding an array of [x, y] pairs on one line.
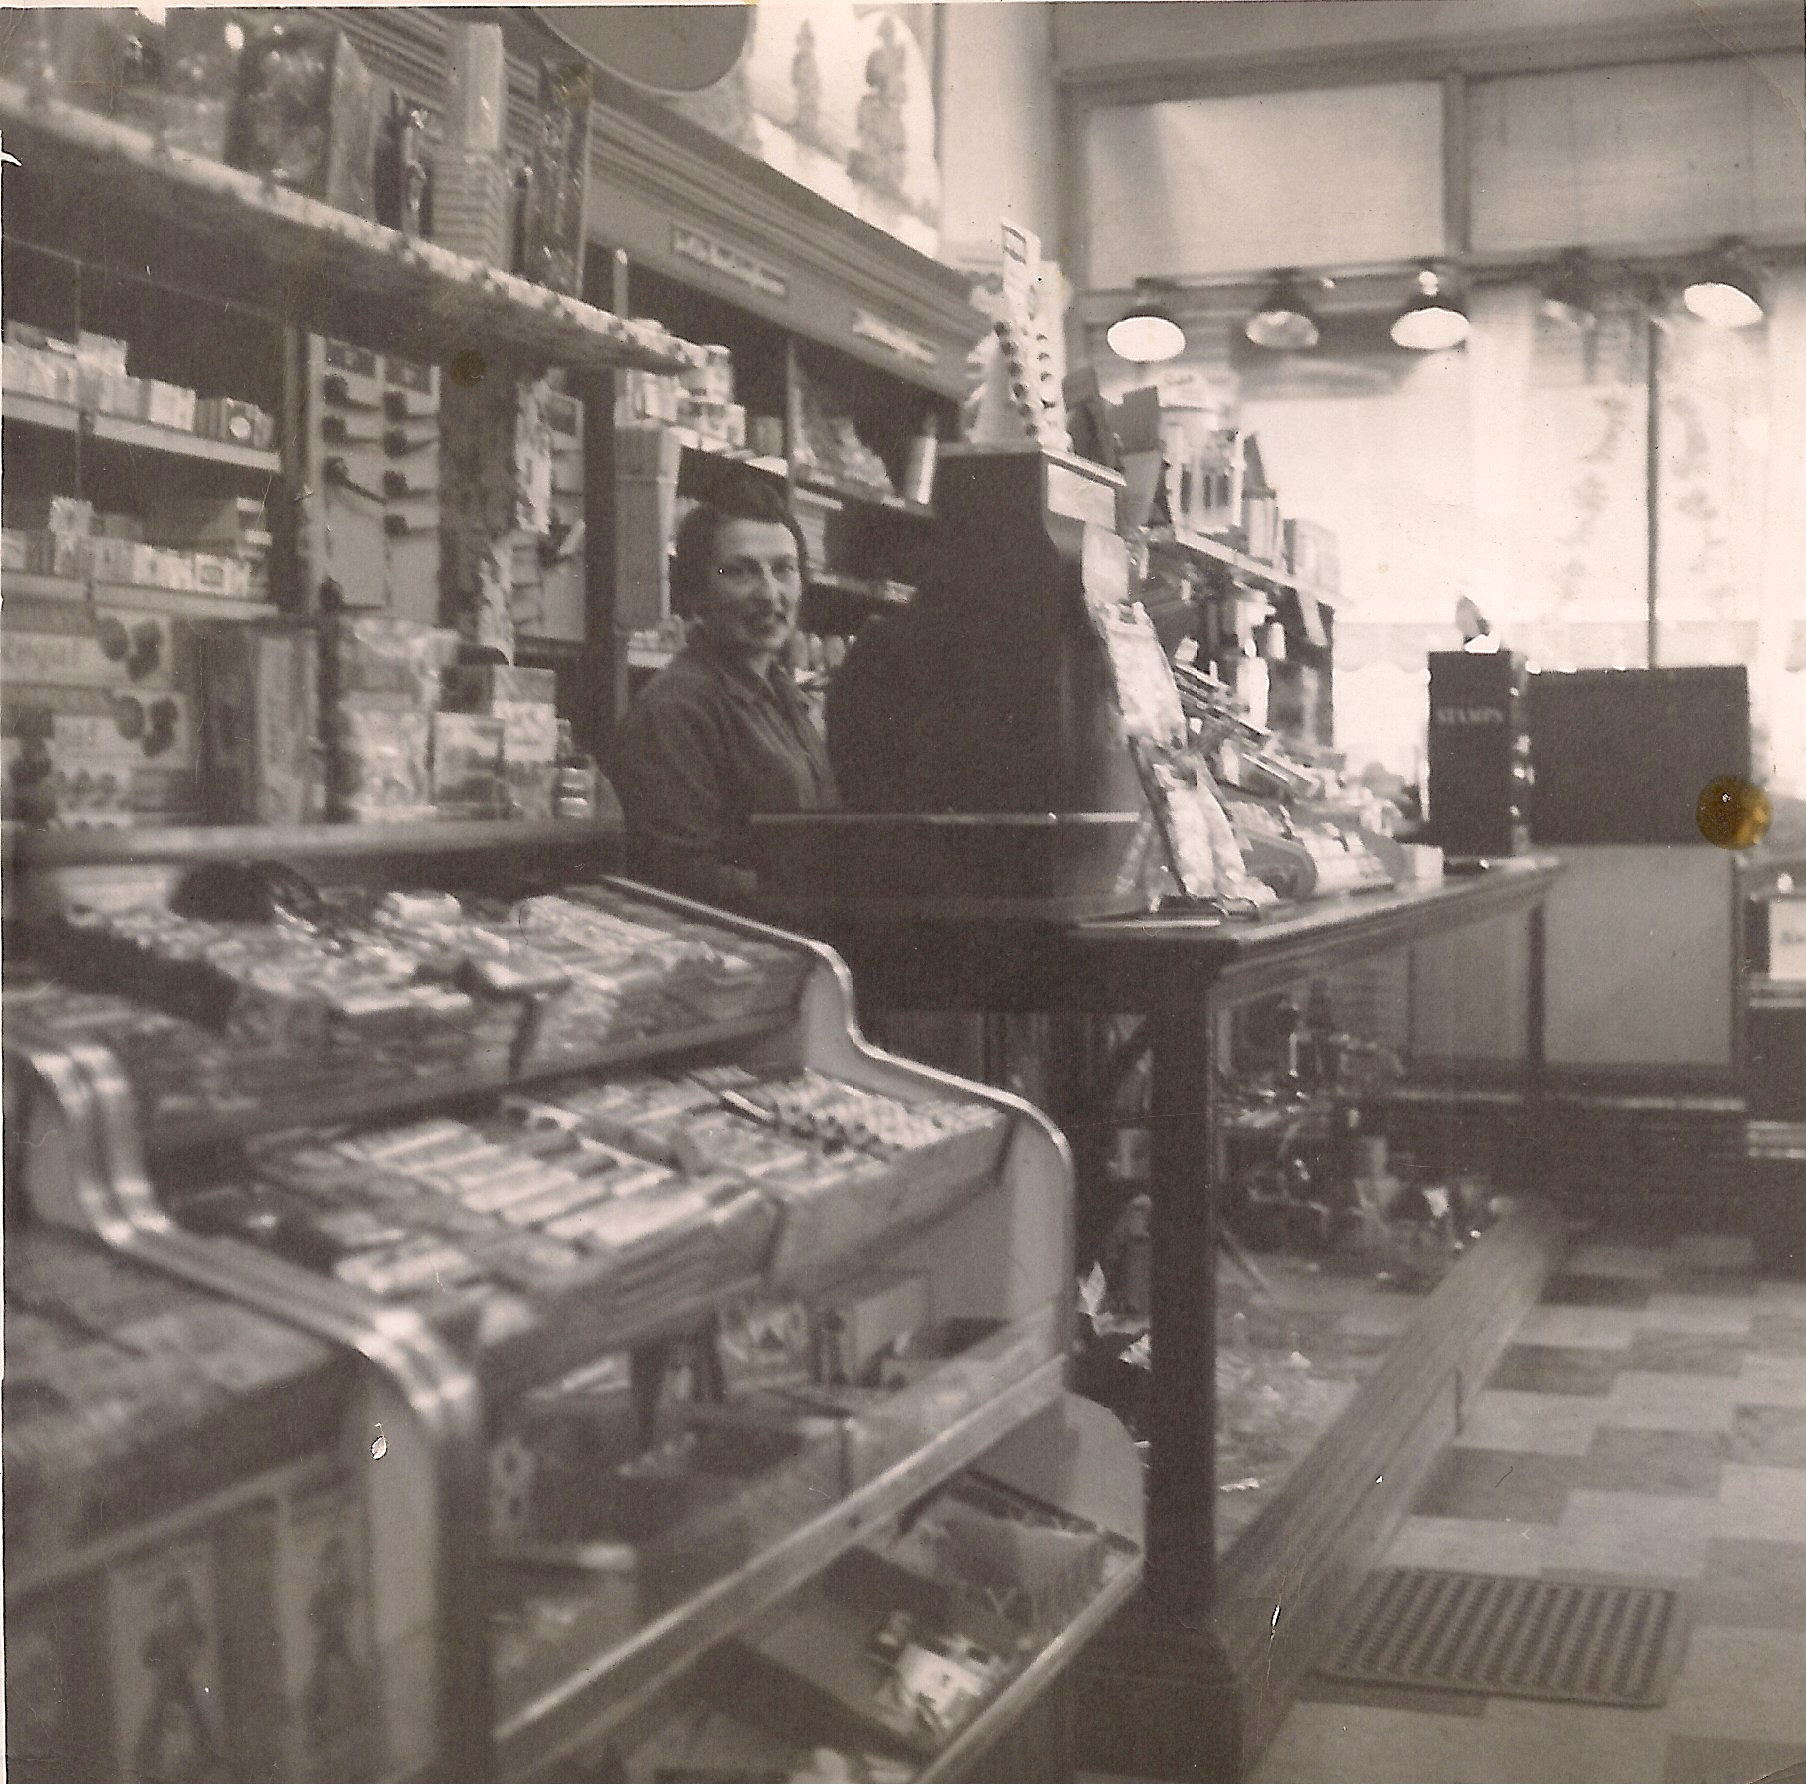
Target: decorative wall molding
{"points": [[651, 169], [1749, 30]]}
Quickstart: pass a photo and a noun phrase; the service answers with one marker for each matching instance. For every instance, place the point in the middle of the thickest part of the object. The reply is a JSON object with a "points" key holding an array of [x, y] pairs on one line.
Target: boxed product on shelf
{"points": [[381, 763], [897, 1655], [112, 1371], [262, 724], [105, 353], [1018, 1559], [374, 659], [646, 396], [235, 421], [84, 644], [713, 380], [169, 405], [115, 393], [304, 114], [854, 1326], [468, 775], [127, 725], [39, 372]]}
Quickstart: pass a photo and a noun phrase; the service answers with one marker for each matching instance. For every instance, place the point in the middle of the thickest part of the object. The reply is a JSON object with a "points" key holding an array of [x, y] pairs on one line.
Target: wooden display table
{"points": [[1196, 1673]]}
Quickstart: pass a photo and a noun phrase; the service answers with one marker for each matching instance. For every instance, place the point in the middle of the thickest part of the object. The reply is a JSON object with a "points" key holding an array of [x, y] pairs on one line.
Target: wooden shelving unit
{"points": [[995, 1241], [283, 254], [126, 430]]}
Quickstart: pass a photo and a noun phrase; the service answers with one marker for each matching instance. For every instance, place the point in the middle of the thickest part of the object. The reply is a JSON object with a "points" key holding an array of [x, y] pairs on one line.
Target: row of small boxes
{"points": [[372, 455], [89, 373], [208, 546], [671, 401]]}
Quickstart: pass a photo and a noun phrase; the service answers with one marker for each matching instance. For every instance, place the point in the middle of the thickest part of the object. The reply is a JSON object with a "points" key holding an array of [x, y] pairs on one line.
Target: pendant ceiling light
{"points": [[1146, 332], [1284, 321], [1726, 290], [1568, 294], [1433, 319]]}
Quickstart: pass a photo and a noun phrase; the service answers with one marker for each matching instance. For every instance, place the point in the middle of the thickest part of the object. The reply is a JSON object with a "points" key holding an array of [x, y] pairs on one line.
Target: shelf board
{"points": [[30, 585], [1218, 551], [33, 585], [126, 430], [293, 256], [295, 842]]}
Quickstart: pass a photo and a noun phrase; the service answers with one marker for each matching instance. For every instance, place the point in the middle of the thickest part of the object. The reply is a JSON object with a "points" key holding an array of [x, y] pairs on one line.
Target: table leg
{"points": [[1182, 1484]]}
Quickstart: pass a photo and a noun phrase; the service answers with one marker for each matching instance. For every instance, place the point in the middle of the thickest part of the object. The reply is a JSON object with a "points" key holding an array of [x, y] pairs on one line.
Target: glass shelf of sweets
{"points": [[732, 1288]]}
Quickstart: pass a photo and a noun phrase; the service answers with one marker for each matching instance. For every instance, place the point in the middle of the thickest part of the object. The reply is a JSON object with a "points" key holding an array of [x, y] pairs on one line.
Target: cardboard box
{"points": [[380, 763], [468, 777], [262, 756], [532, 788], [854, 1326], [485, 687], [219, 521], [129, 725], [35, 371], [106, 353], [169, 405], [77, 644]]}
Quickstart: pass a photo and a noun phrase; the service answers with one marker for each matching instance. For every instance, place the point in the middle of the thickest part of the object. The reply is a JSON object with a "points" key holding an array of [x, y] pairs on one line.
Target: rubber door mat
{"points": [[1591, 1642]]}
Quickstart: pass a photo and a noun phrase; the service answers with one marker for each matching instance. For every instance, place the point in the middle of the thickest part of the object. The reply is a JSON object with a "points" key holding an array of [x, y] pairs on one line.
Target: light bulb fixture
{"points": [[1146, 332], [1568, 293], [1432, 318], [1284, 322], [1725, 290]]}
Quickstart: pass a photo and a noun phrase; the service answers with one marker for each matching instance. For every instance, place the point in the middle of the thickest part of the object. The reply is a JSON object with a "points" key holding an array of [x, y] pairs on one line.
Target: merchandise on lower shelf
{"points": [[189, 1559]]}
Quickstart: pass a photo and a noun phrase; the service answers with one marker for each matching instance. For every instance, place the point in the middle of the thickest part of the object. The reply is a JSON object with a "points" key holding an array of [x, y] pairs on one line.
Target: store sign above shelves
{"points": [[903, 342], [733, 263]]}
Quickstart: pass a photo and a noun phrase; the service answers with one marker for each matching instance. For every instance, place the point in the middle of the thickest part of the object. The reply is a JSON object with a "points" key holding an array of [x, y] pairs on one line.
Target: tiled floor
{"points": [[1649, 1423]]}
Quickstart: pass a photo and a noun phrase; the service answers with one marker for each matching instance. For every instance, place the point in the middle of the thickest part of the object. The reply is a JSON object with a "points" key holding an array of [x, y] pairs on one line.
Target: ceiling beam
{"points": [[1758, 28]]}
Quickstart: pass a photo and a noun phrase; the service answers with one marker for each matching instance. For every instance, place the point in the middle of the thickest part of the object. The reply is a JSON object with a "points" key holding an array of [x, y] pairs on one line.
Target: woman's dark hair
{"points": [[693, 552]]}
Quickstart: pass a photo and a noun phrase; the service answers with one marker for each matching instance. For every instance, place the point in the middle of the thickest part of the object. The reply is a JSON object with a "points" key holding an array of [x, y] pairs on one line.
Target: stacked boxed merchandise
{"points": [[97, 724], [229, 537], [261, 762], [379, 689], [91, 373], [522, 703]]}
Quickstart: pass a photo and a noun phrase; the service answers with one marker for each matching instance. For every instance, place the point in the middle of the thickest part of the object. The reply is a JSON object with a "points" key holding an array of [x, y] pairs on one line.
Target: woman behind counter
{"points": [[722, 731]]}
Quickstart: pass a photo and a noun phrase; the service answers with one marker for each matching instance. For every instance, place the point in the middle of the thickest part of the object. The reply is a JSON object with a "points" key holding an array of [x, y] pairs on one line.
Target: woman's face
{"points": [[753, 588]]}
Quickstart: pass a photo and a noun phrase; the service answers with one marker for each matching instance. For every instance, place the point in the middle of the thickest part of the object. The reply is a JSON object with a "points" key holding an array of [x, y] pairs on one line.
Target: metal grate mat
{"points": [[1565, 1642]]}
